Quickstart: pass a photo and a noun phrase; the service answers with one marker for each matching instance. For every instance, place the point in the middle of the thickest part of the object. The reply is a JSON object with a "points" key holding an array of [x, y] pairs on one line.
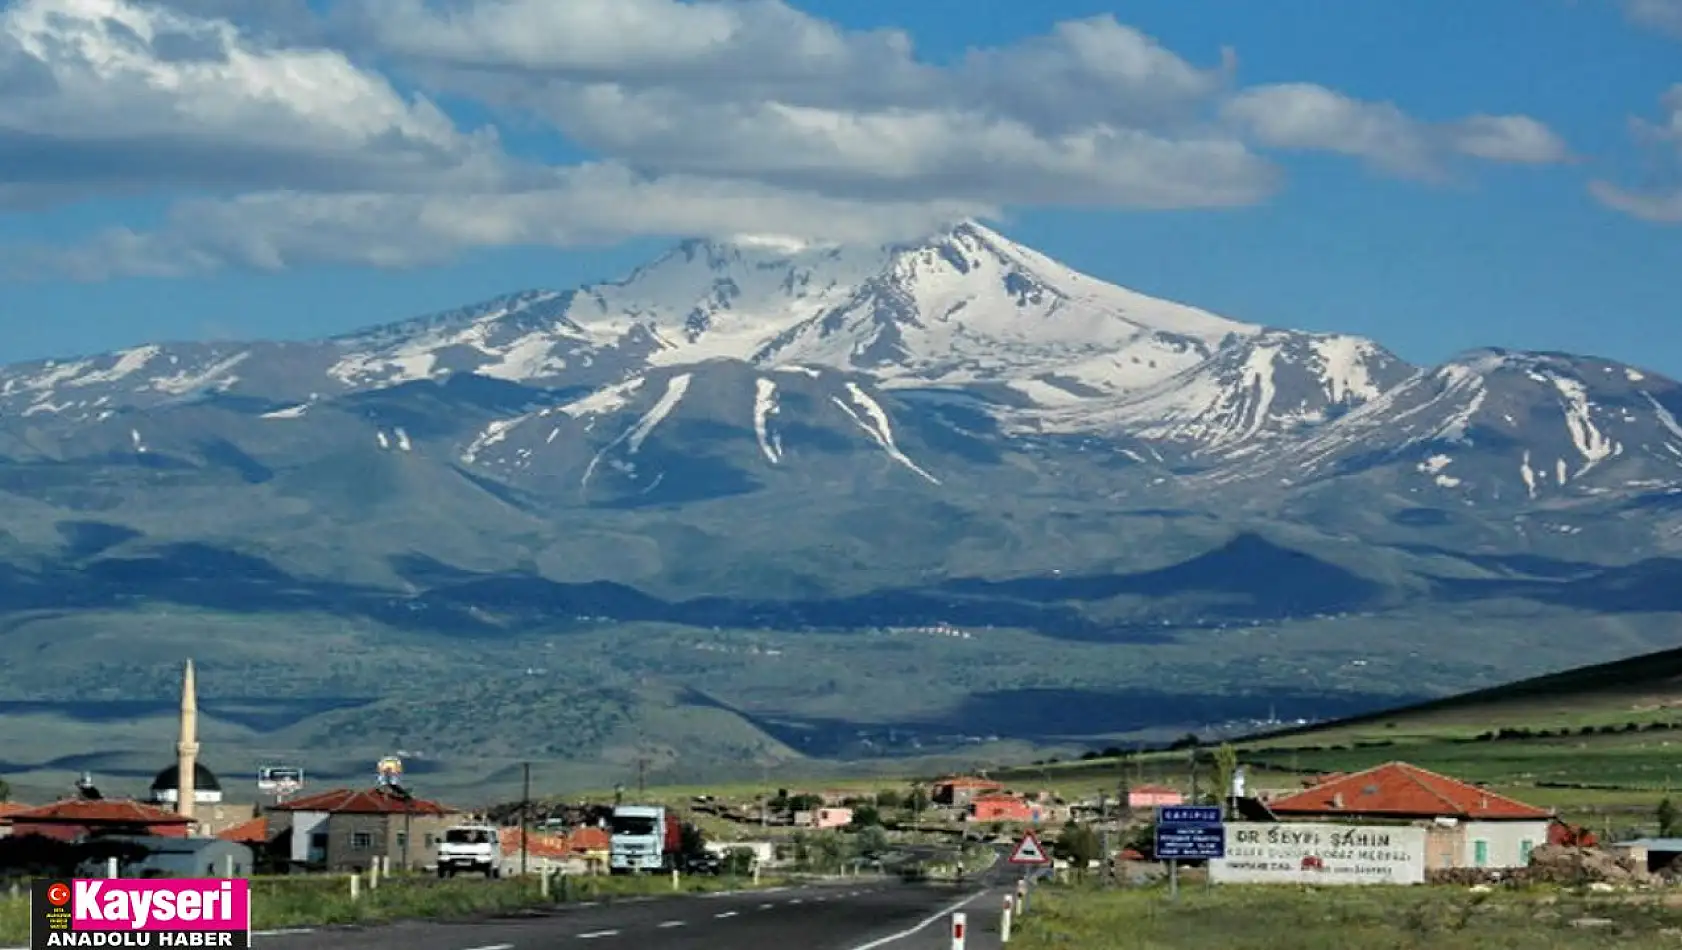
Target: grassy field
{"points": [[278, 902], [1281, 918]]}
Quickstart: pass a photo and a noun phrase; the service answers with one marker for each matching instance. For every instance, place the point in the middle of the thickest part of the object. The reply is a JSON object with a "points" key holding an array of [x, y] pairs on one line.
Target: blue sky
{"points": [[1435, 174]]}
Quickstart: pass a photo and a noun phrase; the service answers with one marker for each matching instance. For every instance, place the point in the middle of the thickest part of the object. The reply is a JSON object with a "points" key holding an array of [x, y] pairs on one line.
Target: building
{"points": [[824, 818], [183, 857], [960, 790], [346, 829], [1154, 796], [7, 810], [1002, 808], [212, 815], [78, 818], [1653, 855], [1467, 826]]}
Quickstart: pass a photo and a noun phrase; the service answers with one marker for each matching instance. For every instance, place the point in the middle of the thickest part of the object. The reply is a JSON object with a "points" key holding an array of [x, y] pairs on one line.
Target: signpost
{"points": [[1029, 854], [1188, 833]]}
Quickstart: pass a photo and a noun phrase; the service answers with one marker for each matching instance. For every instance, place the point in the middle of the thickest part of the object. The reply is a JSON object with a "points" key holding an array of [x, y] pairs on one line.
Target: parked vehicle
{"points": [[644, 838], [472, 847]]}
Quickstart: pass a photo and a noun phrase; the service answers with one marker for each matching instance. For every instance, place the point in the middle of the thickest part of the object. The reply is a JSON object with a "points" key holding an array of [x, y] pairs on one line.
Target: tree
{"points": [[5, 791], [918, 801], [1226, 767], [692, 841], [870, 842], [738, 862], [889, 798], [1666, 814], [866, 816], [1078, 845]]}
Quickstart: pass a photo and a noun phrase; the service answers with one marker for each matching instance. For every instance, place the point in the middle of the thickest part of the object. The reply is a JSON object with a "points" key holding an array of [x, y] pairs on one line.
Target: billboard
{"points": [[1312, 853], [272, 778]]}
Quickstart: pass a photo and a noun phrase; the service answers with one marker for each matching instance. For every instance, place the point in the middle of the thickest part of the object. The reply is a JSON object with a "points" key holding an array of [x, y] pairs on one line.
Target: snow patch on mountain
{"points": [[1253, 390], [878, 427], [764, 407]]}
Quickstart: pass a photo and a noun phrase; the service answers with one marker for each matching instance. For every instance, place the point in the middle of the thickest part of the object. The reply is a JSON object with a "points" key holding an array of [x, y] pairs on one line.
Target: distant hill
{"points": [[1640, 689]]}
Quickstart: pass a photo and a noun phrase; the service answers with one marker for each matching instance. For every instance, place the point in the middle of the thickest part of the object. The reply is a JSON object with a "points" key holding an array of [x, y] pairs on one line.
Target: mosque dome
{"points": [[167, 786]]}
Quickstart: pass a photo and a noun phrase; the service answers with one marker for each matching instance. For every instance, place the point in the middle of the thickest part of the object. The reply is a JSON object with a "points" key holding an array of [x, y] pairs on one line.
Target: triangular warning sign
{"points": [[1028, 851]]}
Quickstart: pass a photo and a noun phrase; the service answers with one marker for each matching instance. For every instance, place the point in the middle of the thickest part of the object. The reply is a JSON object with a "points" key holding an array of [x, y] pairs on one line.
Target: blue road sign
{"points": [[1188, 815], [1190, 842]]}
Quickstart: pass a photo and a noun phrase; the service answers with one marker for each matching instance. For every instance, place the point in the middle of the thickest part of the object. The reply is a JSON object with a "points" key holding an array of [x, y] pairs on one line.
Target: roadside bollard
{"points": [[543, 883], [675, 885], [111, 867], [355, 885], [374, 875], [756, 873], [1004, 922], [958, 930]]}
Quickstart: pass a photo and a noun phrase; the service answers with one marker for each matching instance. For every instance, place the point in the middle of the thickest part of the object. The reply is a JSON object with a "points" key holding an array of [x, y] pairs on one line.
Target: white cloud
{"points": [[583, 205], [1661, 201], [709, 118], [1310, 117], [107, 95], [1662, 15]]}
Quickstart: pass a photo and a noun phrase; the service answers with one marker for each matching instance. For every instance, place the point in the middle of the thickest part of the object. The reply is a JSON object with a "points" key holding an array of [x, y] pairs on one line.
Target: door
{"points": [[1480, 854]]}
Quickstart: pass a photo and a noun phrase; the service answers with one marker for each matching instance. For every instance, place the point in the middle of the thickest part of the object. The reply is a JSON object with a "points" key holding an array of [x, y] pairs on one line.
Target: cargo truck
{"points": [[645, 838]]}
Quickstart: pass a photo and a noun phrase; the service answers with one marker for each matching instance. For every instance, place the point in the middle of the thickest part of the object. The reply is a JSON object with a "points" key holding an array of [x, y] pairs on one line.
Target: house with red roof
{"points": [[1467, 826], [347, 829], [960, 790], [75, 819], [7, 810]]}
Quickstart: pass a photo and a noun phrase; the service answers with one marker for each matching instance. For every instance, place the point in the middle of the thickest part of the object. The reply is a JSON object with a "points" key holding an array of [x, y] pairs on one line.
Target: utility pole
{"points": [[525, 813], [642, 773], [1194, 775]]}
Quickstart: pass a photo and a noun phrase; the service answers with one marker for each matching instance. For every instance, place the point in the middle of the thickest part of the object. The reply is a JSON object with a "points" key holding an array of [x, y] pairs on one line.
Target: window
{"points": [[361, 841], [1524, 849], [402, 840], [429, 840], [1480, 853]]}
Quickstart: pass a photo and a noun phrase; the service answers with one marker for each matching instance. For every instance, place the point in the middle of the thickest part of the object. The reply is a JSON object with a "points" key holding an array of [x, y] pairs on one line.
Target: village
{"points": [[1394, 823]]}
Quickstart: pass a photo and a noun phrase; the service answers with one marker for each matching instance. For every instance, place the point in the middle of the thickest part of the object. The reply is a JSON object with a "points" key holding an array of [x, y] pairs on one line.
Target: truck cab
{"points": [[473, 847], [639, 842]]}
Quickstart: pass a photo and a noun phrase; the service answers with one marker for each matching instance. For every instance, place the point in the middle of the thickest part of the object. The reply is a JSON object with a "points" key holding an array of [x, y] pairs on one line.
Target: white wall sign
{"points": [[1312, 853]]}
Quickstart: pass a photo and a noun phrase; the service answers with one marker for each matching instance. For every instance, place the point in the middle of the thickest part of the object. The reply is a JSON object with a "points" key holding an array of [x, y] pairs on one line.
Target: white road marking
{"points": [[728, 913], [795, 901], [913, 931], [495, 946], [283, 932], [671, 923], [761, 907], [598, 933]]}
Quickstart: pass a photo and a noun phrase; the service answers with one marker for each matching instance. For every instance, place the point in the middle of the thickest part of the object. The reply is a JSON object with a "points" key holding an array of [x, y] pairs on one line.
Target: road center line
{"points": [[728, 913], [598, 933], [764, 906], [913, 931], [495, 946], [671, 923]]}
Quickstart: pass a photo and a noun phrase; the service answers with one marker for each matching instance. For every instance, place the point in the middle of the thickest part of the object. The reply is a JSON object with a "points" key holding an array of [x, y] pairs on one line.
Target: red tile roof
{"points": [[255, 831], [589, 839], [8, 809], [379, 800], [537, 846], [998, 799], [577, 841], [1154, 790], [965, 782], [1402, 790], [82, 811]]}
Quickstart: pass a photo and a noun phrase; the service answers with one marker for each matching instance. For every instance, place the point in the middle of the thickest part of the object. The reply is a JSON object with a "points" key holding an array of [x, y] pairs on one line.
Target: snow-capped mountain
{"points": [[1245, 398], [758, 353], [719, 427], [1518, 427]]}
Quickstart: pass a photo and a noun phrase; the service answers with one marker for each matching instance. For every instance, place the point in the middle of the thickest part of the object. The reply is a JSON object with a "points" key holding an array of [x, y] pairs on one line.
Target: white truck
{"points": [[472, 847]]}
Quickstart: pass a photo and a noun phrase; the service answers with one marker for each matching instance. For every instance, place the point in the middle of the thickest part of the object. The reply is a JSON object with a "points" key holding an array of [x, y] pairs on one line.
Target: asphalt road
{"points": [[855, 915]]}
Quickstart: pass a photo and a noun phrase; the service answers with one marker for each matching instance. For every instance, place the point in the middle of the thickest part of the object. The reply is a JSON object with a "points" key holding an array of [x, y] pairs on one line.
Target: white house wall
{"points": [[1506, 842]]}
